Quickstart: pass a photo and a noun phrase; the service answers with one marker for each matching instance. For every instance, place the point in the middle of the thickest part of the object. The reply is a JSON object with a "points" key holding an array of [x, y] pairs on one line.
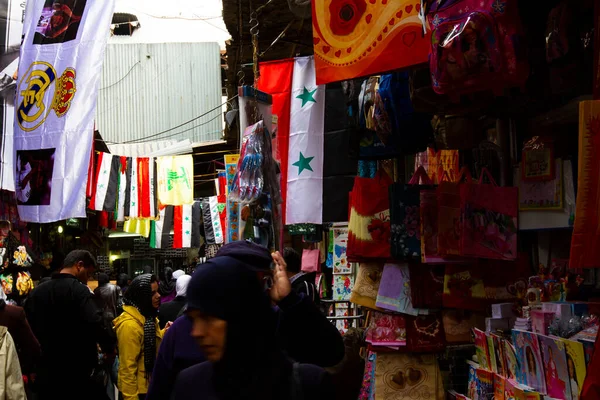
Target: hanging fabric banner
{"points": [[277, 81], [357, 37], [59, 72], [175, 180], [585, 242], [12, 14], [305, 157]]}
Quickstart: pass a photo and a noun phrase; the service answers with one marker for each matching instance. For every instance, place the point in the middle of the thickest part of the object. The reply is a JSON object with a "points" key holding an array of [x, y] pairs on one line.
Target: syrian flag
{"points": [[104, 196], [304, 197], [185, 222]]}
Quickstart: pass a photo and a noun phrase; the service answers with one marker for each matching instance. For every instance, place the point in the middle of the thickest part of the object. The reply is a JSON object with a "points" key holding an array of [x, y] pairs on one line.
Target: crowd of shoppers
{"points": [[236, 329]]}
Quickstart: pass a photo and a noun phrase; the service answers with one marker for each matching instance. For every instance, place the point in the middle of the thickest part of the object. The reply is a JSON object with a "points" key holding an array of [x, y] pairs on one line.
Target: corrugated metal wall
{"points": [[149, 88]]}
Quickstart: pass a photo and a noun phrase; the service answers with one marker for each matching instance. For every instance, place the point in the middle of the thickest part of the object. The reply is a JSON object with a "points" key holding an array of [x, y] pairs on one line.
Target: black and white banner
{"points": [[59, 73]]}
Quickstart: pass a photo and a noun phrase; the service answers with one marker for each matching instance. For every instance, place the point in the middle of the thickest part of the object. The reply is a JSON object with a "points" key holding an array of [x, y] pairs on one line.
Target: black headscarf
{"points": [[167, 283], [139, 295], [103, 279], [252, 365]]}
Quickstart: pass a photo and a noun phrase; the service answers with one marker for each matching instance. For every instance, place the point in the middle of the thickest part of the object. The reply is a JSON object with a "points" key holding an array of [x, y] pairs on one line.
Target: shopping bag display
{"points": [[448, 203], [405, 216], [488, 227], [369, 225]]}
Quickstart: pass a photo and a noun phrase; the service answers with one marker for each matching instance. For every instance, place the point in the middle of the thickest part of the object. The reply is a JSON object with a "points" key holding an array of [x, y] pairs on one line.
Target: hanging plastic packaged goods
{"points": [[476, 45]]}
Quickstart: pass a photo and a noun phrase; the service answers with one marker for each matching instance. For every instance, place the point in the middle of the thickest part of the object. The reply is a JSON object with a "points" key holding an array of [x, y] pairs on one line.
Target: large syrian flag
{"points": [[304, 197]]}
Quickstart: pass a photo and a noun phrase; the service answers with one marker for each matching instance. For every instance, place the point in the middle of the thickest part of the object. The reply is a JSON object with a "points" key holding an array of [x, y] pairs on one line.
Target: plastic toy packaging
{"points": [[248, 182]]}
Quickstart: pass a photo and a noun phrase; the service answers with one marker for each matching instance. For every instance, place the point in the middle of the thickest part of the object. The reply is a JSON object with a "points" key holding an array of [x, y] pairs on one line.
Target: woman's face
{"points": [[210, 333], [155, 295]]}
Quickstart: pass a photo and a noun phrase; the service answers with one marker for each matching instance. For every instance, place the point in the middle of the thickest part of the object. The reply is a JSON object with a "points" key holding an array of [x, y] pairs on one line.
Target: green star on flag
{"points": [[307, 96], [303, 163]]}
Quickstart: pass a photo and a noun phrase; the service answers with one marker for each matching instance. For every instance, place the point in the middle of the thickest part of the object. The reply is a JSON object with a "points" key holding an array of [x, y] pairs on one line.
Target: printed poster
{"points": [[342, 287], [340, 244], [59, 72], [233, 208], [354, 38]]}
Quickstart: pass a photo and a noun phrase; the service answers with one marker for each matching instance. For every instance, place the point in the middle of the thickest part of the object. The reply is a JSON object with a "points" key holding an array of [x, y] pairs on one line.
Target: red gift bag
{"points": [[369, 224], [448, 202], [488, 227]]}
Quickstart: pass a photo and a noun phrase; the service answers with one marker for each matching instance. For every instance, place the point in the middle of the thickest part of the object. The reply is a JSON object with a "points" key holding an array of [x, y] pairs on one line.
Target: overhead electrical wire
{"points": [[146, 139]]}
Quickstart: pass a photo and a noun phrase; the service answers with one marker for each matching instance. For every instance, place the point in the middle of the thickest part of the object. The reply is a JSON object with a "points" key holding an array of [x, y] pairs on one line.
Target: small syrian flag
{"points": [[104, 196], [304, 197], [185, 222], [125, 186]]}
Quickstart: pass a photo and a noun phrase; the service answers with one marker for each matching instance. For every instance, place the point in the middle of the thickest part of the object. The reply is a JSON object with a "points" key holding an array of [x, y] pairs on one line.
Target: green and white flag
{"points": [[304, 199]]}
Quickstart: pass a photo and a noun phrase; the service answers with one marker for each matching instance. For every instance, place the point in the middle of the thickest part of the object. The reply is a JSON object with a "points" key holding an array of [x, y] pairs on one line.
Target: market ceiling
{"points": [[274, 17]]}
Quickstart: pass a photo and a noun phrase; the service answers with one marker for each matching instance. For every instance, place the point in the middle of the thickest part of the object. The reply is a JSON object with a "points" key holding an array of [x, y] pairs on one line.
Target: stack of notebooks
{"points": [[523, 324]]}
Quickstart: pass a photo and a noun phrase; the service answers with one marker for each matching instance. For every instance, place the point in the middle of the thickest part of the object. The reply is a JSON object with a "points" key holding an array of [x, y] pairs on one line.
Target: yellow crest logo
{"points": [[40, 91]]}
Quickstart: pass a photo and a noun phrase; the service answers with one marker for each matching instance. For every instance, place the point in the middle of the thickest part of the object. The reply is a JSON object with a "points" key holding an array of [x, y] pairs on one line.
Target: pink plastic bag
{"points": [[310, 261], [476, 45]]}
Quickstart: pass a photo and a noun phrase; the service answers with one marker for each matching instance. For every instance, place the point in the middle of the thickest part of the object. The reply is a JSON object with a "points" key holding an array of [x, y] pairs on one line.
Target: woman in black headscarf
{"points": [[167, 286], [235, 325], [138, 336]]}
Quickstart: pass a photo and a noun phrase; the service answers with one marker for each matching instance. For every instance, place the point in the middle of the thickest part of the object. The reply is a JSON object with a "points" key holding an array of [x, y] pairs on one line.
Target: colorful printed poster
{"points": [[472, 382], [59, 72], [342, 287], [342, 310], [233, 208], [386, 330], [531, 372], [575, 366], [341, 265], [542, 195], [555, 367], [485, 385], [510, 360], [354, 38], [482, 350], [498, 355]]}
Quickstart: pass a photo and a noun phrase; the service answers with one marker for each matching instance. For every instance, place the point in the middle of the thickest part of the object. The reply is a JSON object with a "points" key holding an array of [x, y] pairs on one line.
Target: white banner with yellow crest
{"points": [[59, 73]]}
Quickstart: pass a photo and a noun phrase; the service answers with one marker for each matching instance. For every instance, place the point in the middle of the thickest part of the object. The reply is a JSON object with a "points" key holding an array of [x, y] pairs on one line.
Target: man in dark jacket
{"points": [[302, 282], [107, 296], [64, 317], [303, 332]]}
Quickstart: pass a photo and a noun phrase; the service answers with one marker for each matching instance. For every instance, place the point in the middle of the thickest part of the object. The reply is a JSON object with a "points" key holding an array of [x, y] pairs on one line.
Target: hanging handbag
{"points": [[448, 198], [405, 216], [369, 224], [489, 213]]}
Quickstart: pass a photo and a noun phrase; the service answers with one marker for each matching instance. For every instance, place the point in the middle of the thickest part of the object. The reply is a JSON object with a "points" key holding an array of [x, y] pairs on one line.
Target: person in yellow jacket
{"points": [[138, 336]]}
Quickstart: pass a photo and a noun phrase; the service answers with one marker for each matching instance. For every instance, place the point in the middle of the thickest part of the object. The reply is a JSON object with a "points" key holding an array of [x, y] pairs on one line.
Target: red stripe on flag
{"points": [[276, 79], [89, 190], [143, 187], [92, 205], [177, 224]]}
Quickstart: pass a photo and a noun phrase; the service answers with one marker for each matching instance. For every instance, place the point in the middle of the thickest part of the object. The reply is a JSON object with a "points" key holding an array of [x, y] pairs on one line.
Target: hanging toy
{"points": [[24, 283], [247, 184], [7, 283], [21, 258]]}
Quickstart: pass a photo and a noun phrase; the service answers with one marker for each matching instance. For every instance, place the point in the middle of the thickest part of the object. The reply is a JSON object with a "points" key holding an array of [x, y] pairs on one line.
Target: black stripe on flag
{"points": [[165, 241], [110, 201], [196, 223], [128, 187], [209, 232]]}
